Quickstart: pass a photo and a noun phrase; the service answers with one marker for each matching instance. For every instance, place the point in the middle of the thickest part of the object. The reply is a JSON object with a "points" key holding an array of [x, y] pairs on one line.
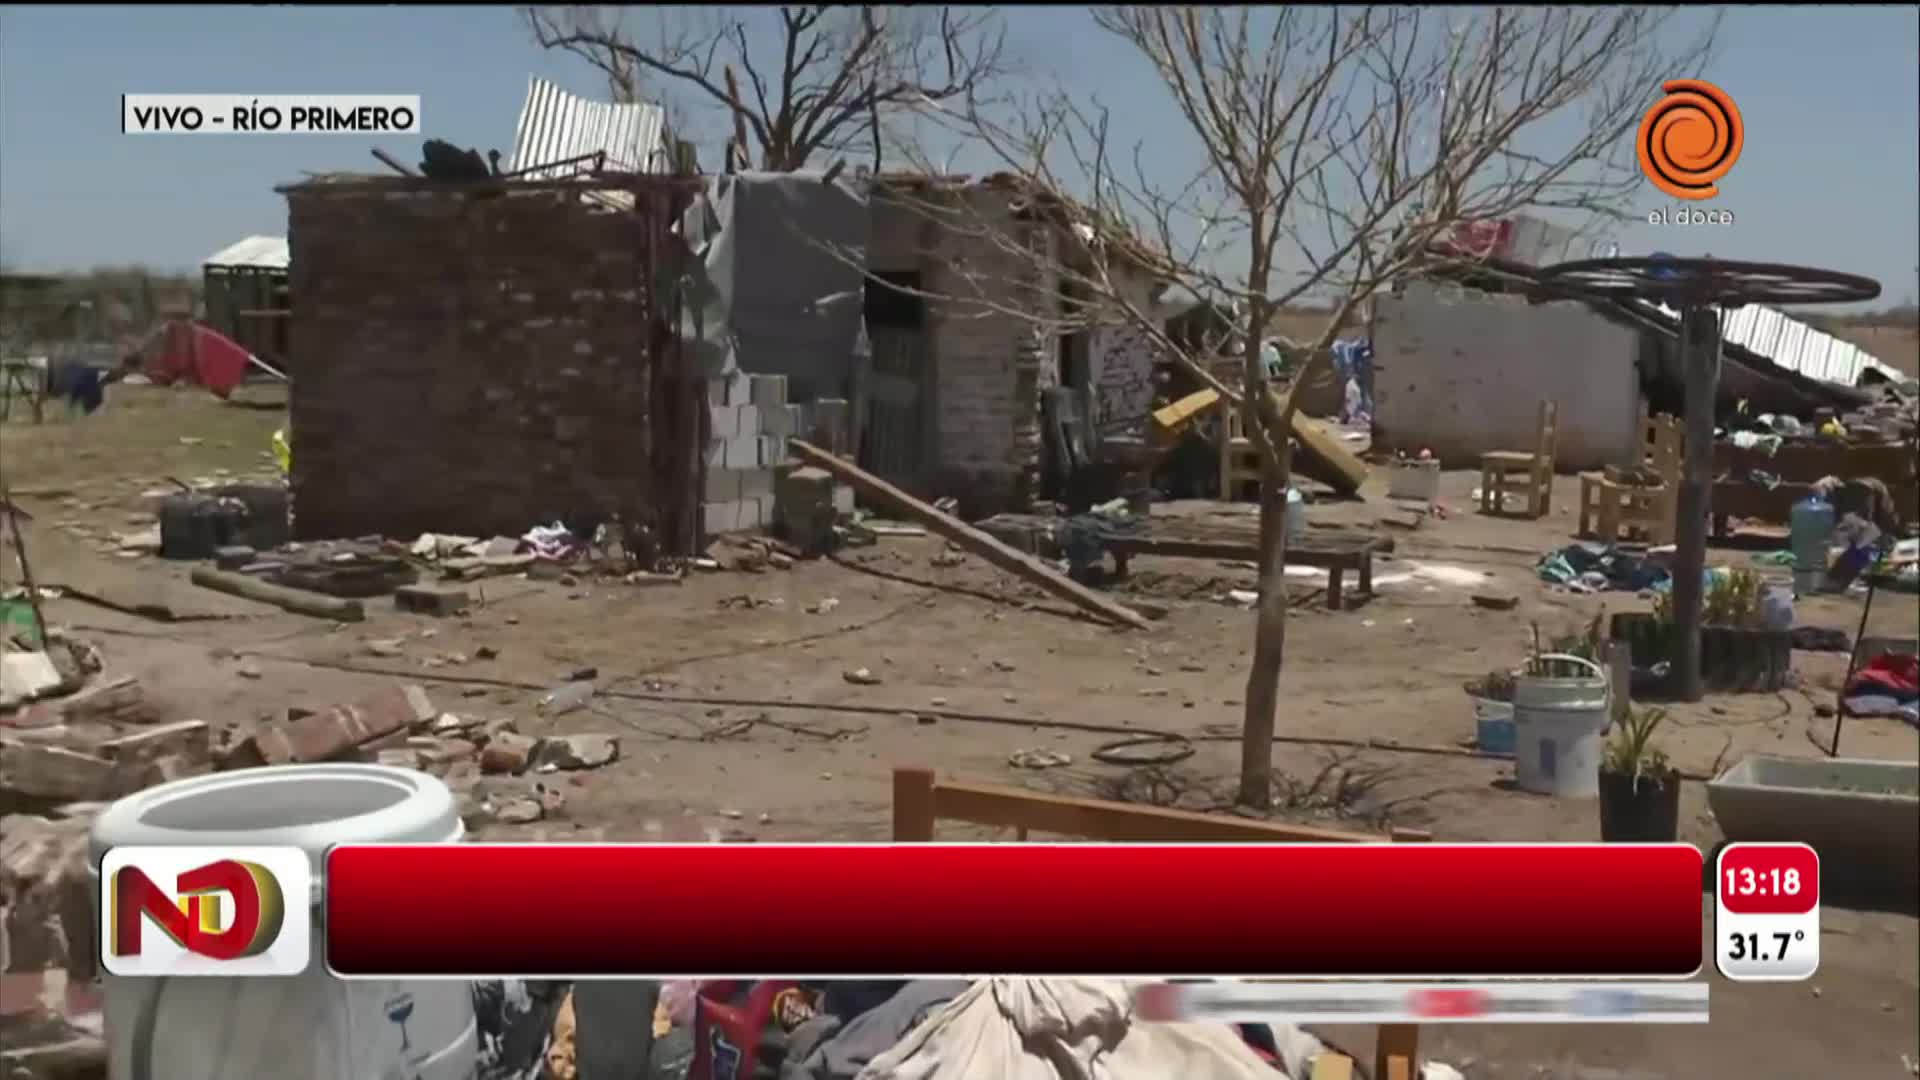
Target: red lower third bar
{"points": [[884, 910]]}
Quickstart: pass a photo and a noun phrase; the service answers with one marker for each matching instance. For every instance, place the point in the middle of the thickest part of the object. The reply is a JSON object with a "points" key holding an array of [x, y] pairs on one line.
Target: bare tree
{"points": [[1339, 149], [794, 83]]}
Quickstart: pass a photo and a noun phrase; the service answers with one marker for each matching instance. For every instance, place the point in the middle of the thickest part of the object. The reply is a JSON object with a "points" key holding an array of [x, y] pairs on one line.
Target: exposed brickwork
{"points": [[470, 363], [990, 364]]}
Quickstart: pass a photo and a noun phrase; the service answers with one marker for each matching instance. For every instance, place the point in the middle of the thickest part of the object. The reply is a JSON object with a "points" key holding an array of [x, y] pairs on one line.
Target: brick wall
{"points": [[473, 364], [989, 365]]}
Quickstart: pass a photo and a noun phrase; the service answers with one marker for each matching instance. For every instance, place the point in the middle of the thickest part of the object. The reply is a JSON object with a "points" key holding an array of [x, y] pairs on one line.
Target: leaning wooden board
{"points": [[1323, 457], [1013, 561]]}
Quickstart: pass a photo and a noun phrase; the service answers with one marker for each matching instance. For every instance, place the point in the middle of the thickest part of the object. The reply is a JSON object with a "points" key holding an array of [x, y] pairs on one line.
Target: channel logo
{"points": [[205, 911]]}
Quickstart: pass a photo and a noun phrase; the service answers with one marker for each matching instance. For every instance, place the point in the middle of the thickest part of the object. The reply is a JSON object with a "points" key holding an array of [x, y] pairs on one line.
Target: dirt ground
{"points": [[723, 690]]}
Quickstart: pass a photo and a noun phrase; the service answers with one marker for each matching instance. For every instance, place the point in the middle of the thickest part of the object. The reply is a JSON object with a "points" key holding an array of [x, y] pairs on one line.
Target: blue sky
{"points": [[1830, 175]]}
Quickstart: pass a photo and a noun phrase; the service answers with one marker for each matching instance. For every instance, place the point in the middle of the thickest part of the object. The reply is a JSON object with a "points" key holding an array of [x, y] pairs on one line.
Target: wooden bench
{"points": [[1337, 554], [920, 800]]}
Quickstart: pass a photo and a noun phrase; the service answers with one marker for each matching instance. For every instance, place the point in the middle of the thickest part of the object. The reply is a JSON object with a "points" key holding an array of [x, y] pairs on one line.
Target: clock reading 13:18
{"points": [[1767, 922]]}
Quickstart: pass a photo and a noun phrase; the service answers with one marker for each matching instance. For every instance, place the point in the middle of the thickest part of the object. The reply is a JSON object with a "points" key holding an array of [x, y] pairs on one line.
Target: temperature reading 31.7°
{"points": [[1758, 947], [1767, 924]]}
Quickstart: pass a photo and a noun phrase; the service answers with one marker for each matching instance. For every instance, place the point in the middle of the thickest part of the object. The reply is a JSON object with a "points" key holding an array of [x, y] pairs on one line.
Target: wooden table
{"points": [[1150, 536]]}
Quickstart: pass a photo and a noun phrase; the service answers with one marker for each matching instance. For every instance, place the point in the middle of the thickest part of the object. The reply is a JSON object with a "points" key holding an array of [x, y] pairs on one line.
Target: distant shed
{"points": [[247, 297]]}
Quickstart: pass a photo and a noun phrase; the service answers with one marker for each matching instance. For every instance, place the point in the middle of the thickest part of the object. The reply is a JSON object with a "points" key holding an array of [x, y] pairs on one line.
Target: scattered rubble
{"points": [[431, 599], [508, 752], [571, 752]]}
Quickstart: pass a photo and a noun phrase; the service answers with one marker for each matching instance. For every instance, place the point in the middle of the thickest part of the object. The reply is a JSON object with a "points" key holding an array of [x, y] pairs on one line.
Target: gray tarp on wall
{"points": [[783, 256]]}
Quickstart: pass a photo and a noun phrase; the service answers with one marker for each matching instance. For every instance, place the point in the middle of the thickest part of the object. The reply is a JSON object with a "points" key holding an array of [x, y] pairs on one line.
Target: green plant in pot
{"points": [[1639, 788]]}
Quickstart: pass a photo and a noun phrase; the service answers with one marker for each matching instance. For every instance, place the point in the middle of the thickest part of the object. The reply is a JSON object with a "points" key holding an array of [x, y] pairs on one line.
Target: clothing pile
{"points": [[1889, 685], [1588, 567], [899, 1029]]}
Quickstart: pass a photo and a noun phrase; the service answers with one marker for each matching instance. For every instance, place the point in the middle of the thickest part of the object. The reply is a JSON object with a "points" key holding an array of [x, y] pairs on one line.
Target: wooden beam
{"points": [[1065, 815], [973, 540], [387, 159], [294, 600]]}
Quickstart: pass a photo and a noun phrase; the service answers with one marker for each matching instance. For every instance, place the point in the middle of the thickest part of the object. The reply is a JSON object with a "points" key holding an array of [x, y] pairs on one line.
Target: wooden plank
{"points": [[1322, 454], [294, 600], [1169, 420], [913, 806], [1397, 1067], [972, 539], [1117, 822], [1332, 1067], [1324, 458]]}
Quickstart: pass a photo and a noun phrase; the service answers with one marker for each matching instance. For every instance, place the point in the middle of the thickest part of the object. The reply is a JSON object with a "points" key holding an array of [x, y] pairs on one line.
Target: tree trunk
{"points": [[1270, 624], [1269, 645]]}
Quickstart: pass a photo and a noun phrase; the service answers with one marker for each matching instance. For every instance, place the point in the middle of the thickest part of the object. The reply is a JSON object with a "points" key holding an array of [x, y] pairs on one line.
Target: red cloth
{"points": [[203, 355], [1892, 674]]}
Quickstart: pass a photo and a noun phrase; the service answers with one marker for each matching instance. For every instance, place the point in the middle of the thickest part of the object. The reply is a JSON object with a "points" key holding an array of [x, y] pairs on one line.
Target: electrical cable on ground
{"points": [[1130, 735]]}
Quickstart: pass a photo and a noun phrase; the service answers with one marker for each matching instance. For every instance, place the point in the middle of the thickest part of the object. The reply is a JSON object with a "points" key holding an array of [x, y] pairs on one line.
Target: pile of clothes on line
{"points": [[904, 1029]]}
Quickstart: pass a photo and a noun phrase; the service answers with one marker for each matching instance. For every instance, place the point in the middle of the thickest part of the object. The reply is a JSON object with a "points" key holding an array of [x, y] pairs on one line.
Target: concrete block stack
{"points": [[750, 423]]}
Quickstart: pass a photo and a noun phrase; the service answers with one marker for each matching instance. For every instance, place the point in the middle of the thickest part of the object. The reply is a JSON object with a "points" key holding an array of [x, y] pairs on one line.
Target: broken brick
{"points": [[576, 751], [507, 752], [431, 599], [53, 772], [188, 739], [344, 729], [122, 701]]}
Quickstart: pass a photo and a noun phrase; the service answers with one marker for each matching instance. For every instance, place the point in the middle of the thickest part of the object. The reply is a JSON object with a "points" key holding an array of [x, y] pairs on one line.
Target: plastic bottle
{"points": [[1811, 529]]}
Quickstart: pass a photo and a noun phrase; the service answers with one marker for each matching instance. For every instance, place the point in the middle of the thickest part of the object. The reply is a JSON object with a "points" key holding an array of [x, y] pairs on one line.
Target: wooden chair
{"points": [[1239, 461], [1609, 504], [919, 800], [1532, 468]]}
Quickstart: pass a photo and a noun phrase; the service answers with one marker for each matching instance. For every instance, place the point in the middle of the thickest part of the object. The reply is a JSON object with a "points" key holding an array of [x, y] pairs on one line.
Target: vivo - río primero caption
{"points": [[150, 114]]}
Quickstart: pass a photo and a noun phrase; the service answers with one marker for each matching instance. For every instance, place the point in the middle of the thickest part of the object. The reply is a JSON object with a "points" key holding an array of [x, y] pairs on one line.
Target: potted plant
{"points": [[1739, 651], [1562, 704], [1492, 697], [1639, 789]]}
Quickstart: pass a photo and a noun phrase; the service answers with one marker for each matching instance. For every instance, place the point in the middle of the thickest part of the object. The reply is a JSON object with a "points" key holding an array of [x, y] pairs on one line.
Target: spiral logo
{"points": [[1690, 139]]}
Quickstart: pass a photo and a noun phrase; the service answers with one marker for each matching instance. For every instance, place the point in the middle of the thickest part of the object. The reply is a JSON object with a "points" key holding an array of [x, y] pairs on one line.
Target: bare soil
{"points": [[737, 727]]}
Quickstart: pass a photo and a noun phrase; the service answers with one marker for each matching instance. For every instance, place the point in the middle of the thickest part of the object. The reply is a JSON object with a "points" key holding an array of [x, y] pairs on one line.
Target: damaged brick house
{"points": [[482, 356], [957, 381], [953, 403], [959, 286]]}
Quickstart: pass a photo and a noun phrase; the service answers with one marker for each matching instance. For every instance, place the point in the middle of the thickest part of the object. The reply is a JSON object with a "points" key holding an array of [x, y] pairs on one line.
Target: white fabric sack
{"points": [[1074, 1029]]}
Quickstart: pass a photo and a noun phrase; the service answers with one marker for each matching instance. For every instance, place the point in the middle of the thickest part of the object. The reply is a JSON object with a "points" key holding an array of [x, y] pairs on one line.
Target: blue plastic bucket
{"points": [[1493, 726]]}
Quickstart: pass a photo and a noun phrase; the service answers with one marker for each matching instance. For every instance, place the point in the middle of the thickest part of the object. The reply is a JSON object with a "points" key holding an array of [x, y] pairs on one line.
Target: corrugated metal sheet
{"points": [[256, 252], [556, 126], [1794, 345]]}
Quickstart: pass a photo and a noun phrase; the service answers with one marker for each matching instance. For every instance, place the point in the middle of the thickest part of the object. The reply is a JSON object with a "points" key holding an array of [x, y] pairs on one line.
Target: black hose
{"points": [[1118, 752]]}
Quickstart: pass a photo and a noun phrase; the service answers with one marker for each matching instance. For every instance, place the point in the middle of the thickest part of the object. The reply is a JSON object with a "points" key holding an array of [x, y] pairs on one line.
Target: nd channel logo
{"points": [[205, 911]]}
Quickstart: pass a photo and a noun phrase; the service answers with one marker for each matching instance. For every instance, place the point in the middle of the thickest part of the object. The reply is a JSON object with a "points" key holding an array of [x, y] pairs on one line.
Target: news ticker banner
{"points": [[1432, 911], [881, 910], [1440, 1003], [270, 114]]}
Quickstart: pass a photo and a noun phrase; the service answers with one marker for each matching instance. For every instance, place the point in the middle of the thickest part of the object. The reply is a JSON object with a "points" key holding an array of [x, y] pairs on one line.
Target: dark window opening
{"points": [[894, 300]]}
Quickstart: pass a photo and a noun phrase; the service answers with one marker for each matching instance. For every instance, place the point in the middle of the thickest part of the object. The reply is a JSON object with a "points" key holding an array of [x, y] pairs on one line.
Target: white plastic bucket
{"points": [[305, 1027], [1417, 479], [1558, 730]]}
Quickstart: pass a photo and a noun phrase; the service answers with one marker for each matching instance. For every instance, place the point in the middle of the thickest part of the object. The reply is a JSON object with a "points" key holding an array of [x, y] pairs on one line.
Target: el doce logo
{"points": [[1690, 139], [205, 911]]}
